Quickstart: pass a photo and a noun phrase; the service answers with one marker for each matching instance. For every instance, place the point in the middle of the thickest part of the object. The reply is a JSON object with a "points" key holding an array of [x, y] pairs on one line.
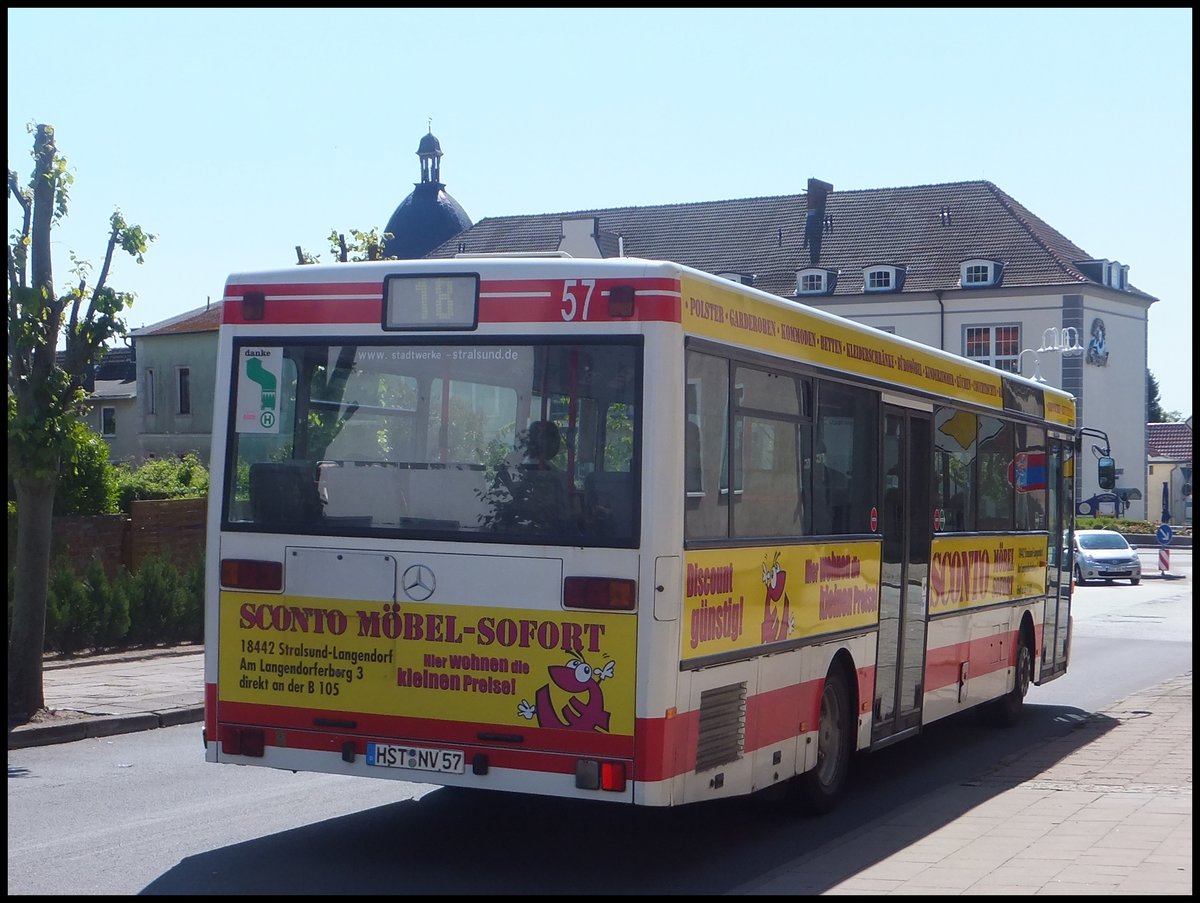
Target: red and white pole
{"points": [[1164, 559]]}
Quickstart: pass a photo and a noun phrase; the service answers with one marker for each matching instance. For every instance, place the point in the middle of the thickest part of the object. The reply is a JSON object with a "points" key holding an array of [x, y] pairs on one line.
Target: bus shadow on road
{"points": [[470, 842]]}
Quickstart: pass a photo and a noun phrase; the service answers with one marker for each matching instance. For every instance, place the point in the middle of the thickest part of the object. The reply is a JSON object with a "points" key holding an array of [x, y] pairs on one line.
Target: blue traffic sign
{"points": [[1163, 534]]}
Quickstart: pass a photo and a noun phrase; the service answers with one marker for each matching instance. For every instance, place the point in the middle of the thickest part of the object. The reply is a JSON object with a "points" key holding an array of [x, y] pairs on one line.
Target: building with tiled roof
{"points": [[176, 378], [1169, 470], [111, 402], [960, 266]]}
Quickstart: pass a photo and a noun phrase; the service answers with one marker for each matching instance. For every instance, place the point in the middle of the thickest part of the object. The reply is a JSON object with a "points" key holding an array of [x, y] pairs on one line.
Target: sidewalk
{"points": [[1105, 809], [116, 694]]}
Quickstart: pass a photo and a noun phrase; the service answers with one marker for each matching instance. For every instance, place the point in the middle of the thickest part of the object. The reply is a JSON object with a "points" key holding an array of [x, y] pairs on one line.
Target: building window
{"points": [[979, 273], [108, 421], [816, 281], [883, 279], [998, 346], [148, 402], [184, 377]]}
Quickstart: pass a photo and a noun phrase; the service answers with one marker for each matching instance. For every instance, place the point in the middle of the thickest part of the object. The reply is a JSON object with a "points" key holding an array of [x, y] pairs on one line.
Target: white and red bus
{"points": [[613, 529]]}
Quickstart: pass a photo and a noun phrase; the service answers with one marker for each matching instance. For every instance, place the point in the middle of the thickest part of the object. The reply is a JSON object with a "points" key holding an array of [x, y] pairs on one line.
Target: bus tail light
{"points": [[620, 301], [591, 774], [599, 593], [246, 573], [243, 741]]}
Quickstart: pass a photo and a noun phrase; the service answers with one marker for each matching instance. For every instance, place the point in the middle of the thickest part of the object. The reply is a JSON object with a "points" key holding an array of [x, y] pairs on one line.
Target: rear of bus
{"points": [[424, 523]]}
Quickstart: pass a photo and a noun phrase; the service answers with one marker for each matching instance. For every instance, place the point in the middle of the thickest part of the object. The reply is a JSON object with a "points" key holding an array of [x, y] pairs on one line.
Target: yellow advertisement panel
{"points": [[792, 330], [739, 599], [966, 571], [571, 670]]}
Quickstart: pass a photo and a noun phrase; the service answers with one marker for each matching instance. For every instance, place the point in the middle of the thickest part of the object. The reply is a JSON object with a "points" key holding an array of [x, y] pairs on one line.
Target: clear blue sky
{"points": [[235, 135]]}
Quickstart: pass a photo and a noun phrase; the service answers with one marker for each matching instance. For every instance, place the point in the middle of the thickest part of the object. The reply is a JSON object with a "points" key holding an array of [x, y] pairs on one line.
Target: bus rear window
{"points": [[490, 442]]}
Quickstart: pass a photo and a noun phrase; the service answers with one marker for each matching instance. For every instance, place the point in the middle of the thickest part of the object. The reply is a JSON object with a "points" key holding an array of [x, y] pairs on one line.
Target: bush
{"points": [[1128, 527], [71, 620], [161, 478], [159, 605], [156, 603], [87, 482], [110, 601]]}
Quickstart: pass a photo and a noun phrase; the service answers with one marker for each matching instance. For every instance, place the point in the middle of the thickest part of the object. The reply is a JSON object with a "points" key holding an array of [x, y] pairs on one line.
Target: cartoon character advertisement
{"points": [[981, 570], [739, 599], [566, 670]]}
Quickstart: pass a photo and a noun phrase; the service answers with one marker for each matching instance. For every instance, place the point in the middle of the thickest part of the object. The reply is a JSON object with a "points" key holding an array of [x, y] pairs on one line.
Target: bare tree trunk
{"points": [[26, 640]]}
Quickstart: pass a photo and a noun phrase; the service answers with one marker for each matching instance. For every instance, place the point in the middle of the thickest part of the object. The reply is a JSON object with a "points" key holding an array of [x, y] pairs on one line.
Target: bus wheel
{"points": [[818, 790], [1007, 709]]}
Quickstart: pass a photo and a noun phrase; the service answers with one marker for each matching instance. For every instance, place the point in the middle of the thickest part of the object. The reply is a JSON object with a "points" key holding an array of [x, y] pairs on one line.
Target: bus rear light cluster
{"points": [[243, 741], [620, 301], [591, 774], [247, 573], [599, 593]]}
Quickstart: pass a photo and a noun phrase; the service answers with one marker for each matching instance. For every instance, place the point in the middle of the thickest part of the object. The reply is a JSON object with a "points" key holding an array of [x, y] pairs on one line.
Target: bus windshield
{"points": [[499, 442]]}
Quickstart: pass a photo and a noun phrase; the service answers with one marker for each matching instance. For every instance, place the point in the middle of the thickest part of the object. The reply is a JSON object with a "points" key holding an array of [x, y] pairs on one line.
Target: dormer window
{"points": [[1106, 272], [742, 278], [816, 281], [883, 278], [980, 273], [1117, 276]]}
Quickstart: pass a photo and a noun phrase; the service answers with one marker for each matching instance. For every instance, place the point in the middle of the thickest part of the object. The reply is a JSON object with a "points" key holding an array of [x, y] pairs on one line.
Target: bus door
{"points": [[903, 608], [1061, 505]]}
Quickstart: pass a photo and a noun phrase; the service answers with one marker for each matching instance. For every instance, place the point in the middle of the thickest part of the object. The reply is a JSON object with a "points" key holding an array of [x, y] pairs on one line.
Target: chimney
{"points": [[814, 220]]}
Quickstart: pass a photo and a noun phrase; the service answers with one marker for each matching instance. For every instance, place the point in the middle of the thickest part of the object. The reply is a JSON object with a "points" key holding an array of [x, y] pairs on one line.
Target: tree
{"points": [[1154, 411], [45, 396], [362, 246]]}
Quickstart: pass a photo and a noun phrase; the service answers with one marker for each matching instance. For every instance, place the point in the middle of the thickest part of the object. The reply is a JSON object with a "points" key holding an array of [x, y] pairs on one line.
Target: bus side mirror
{"points": [[1106, 472]]}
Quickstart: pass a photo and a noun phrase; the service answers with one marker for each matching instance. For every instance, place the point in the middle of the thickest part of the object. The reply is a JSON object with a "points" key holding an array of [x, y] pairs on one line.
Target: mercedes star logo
{"points": [[419, 583]]}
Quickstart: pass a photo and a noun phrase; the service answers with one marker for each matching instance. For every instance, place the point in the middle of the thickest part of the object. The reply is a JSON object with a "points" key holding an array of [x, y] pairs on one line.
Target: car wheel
{"points": [[1134, 581], [1079, 581], [817, 791]]}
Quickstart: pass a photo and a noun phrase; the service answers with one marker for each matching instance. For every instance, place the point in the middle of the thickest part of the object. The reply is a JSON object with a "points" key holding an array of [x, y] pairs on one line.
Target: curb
{"points": [[28, 735]]}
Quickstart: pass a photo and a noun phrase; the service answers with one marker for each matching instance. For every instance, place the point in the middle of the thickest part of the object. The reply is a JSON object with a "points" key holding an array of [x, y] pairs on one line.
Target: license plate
{"points": [[445, 761]]}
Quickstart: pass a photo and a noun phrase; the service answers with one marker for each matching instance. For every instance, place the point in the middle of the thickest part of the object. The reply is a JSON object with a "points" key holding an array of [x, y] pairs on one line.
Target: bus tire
{"points": [[819, 789], [1006, 710]]}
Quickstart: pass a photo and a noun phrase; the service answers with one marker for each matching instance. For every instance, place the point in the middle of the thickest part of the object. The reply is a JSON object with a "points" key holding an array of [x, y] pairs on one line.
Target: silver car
{"points": [[1105, 555]]}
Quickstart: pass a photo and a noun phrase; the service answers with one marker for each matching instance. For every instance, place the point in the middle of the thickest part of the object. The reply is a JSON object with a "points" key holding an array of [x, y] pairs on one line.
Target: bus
{"points": [[613, 529]]}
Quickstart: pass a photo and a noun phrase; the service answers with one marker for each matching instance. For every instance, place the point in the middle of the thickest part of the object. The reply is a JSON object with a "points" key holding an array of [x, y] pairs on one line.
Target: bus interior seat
{"points": [[284, 493], [609, 499]]}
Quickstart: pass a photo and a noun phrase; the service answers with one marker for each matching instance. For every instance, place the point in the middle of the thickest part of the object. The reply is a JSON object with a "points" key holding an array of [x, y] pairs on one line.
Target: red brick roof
{"points": [[1169, 440], [204, 319]]}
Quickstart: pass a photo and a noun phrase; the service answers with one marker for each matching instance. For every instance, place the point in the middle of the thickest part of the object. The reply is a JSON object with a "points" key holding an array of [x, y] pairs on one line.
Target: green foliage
{"points": [[156, 603], [162, 478], [1154, 411], [86, 479], [191, 617], [71, 622], [361, 246], [160, 604], [1128, 527], [110, 601]]}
